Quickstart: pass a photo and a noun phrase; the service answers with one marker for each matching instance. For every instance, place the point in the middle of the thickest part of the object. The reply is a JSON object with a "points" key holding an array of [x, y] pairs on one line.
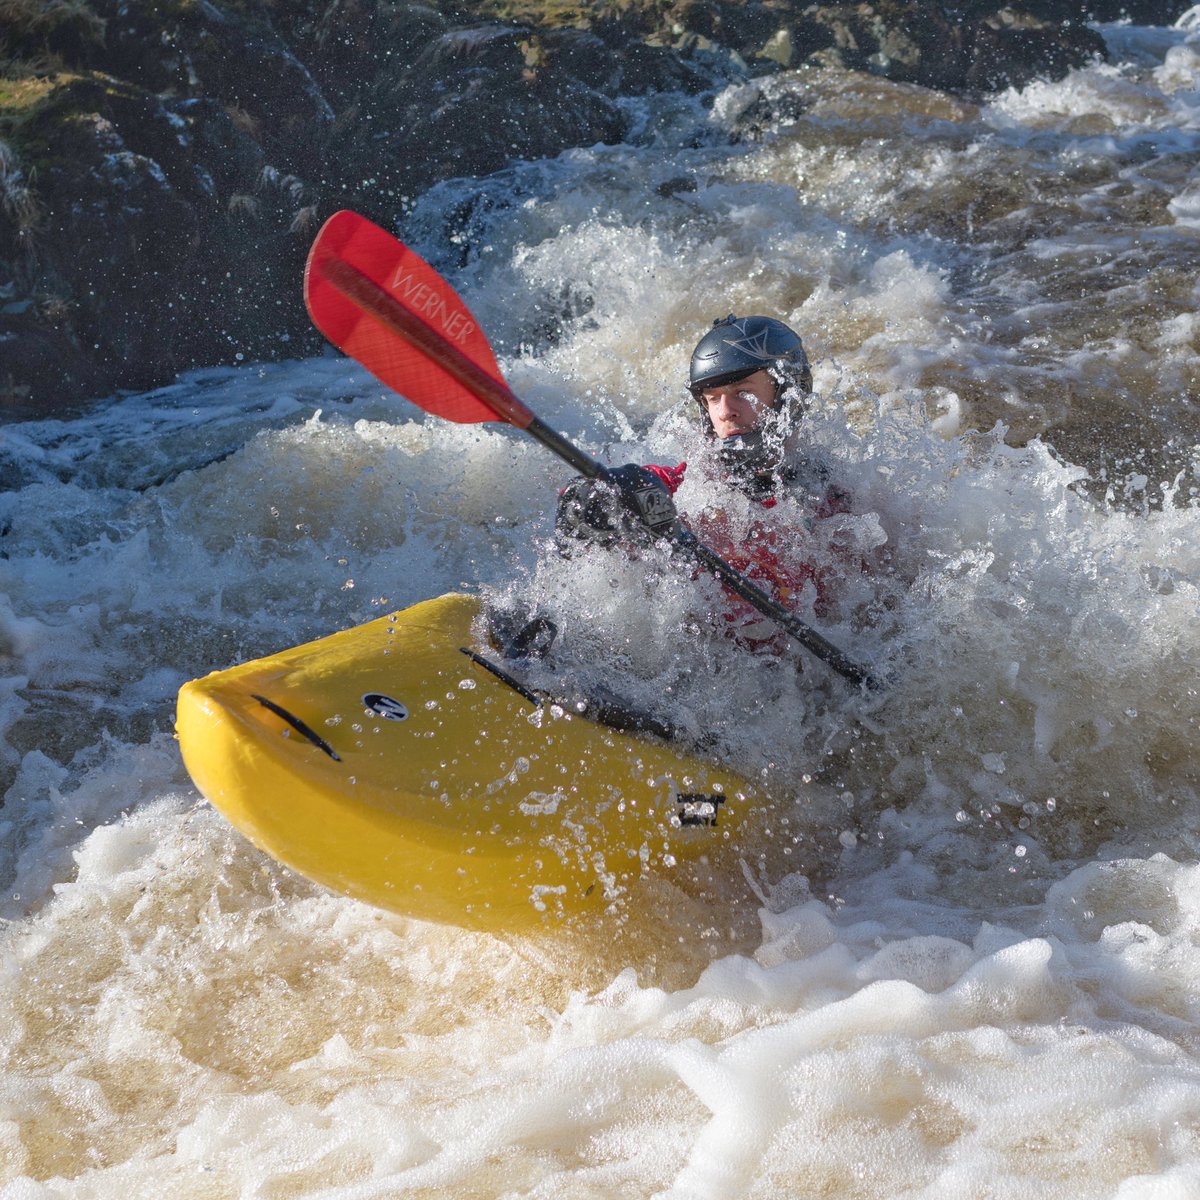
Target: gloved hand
{"points": [[630, 503]]}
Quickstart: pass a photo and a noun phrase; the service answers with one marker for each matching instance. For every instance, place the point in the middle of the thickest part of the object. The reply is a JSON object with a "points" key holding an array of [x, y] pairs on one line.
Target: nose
{"points": [[723, 397]]}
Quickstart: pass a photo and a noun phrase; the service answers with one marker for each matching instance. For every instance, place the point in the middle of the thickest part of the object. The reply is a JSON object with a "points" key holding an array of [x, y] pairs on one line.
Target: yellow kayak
{"points": [[400, 764]]}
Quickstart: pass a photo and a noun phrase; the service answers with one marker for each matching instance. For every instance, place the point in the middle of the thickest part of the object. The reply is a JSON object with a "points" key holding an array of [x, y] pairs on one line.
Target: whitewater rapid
{"points": [[966, 962]]}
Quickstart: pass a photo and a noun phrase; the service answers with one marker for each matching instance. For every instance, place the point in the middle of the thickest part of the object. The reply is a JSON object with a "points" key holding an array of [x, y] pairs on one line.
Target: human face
{"points": [[736, 407]]}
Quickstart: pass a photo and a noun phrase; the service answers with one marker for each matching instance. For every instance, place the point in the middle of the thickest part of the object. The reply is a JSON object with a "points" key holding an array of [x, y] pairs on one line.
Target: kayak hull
{"points": [[394, 764]]}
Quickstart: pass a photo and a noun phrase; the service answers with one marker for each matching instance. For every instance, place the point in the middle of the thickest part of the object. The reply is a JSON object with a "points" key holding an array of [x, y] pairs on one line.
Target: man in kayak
{"points": [[750, 378]]}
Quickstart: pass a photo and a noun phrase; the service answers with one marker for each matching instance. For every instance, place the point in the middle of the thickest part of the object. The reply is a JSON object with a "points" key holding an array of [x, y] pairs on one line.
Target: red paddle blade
{"points": [[386, 307]]}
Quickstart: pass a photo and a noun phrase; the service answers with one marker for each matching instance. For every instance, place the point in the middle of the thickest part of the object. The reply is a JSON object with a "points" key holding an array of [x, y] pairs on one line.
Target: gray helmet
{"points": [[738, 346]]}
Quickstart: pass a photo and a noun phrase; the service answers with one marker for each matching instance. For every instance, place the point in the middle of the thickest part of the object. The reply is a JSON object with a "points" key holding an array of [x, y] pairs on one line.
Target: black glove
{"points": [[629, 503]]}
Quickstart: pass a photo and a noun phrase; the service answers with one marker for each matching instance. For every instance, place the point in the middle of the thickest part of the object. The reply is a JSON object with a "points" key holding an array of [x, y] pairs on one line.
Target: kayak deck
{"points": [[395, 764]]}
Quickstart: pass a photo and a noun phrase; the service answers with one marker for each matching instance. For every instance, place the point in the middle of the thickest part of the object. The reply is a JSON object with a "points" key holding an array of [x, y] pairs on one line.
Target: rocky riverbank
{"points": [[165, 163]]}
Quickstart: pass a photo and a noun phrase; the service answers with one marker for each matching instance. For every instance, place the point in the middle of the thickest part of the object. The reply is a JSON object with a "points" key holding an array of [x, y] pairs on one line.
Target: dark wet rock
{"points": [[129, 253], [473, 100], [164, 166], [607, 60], [33, 30], [35, 346], [973, 49], [1136, 12]]}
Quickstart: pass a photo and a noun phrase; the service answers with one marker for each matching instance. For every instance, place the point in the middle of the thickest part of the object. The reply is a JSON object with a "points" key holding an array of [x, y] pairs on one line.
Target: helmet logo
{"points": [[753, 344]]}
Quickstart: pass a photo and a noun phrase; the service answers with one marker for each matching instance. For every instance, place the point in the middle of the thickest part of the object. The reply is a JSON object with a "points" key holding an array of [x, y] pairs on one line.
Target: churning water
{"points": [[965, 962]]}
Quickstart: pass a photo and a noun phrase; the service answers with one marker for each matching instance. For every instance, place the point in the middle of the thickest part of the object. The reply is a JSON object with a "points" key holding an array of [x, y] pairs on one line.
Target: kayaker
{"points": [[750, 379]]}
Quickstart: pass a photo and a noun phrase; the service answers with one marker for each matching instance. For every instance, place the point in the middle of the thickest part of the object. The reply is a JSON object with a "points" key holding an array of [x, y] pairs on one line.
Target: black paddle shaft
{"points": [[571, 454], [737, 583]]}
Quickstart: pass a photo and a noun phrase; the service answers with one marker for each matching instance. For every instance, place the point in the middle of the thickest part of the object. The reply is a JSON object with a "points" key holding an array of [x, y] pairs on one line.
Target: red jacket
{"points": [[772, 558]]}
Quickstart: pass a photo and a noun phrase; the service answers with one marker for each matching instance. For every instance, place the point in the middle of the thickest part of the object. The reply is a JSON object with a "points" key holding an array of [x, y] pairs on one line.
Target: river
{"points": [[970, 965]]}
